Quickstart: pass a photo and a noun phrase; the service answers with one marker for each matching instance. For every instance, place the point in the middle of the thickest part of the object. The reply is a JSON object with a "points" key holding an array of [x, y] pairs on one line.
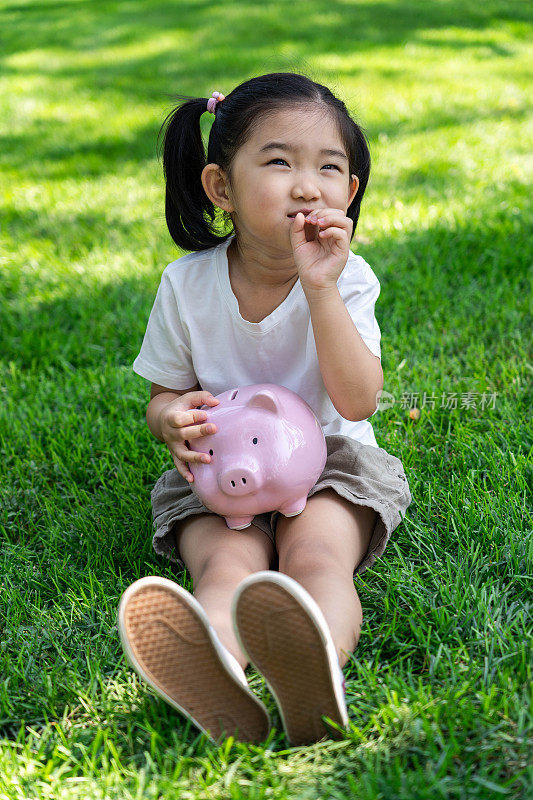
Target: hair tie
{"points": [[212, 102]]}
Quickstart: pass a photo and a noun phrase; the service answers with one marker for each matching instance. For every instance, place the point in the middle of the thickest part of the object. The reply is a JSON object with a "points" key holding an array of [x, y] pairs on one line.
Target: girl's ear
{"points": [[214, 183], [354, 186]]}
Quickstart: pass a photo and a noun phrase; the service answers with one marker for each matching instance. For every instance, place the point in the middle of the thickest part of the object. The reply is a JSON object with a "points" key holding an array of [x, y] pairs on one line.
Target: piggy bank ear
{"points": [[264, 399]]}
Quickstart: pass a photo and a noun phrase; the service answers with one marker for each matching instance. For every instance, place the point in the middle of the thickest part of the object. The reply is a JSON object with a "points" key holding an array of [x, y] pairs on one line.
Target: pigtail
{"points": [[188, 210]]}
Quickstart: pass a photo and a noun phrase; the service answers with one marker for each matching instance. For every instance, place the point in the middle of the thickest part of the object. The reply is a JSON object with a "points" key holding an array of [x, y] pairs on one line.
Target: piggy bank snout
{"points": [[237, 481]]}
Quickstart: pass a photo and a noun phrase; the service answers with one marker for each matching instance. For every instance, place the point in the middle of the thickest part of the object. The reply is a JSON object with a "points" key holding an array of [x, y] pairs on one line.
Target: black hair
{"points": [[194, 222]]}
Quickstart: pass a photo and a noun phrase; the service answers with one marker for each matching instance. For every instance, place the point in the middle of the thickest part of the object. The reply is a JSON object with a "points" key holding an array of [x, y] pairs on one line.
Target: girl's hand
{"points": [[321, 247], [179, 423]]}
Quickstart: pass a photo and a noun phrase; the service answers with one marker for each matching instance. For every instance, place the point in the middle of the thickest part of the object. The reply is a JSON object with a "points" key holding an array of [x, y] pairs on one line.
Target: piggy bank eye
{"points": [[254, 440], [210, 452]]}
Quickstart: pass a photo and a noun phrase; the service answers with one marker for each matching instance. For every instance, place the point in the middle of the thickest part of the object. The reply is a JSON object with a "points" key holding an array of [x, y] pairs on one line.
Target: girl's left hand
{"points": [[321, 248]]}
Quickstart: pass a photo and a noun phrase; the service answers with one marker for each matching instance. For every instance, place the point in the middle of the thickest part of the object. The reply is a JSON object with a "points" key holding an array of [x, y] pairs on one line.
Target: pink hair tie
{"points": [[212, 102]]}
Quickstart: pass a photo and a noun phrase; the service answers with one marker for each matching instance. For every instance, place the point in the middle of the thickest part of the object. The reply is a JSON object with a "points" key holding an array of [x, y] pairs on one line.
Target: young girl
{"points": [[279, 299]]}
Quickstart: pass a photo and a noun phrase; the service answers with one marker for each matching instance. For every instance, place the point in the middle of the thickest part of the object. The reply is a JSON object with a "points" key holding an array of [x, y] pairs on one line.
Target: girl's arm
{"points": [[352, 374]]}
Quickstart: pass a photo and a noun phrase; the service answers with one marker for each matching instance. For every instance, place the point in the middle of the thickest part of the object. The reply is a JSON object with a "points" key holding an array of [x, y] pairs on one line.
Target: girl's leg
{"points": [[320, 548], [165, 639], [218, 559]]}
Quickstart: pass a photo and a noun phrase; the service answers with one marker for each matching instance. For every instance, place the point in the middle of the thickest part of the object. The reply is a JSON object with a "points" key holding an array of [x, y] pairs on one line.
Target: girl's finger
{"points": [[182, 469], [195, 416], [297, 234], [210, 400], [182, 419], [345, 223], [204, 396], [192, 456], [194, 432], [332, 217], [335, 233]]}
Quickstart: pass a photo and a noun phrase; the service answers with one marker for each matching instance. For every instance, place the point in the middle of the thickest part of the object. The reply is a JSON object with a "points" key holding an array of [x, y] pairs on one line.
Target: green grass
{"points": [[439, 688]]}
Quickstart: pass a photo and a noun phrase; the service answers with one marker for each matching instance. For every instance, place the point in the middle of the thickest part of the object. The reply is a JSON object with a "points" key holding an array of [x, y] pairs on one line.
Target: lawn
{"points": [[439, 688]]}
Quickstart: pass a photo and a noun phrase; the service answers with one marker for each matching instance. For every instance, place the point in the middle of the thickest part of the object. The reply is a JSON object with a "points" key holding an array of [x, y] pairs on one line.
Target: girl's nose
{"points": [[306, 189], [305, 184]]}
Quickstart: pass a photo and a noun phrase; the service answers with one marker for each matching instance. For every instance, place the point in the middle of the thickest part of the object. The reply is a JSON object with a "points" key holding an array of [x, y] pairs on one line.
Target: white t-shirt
{"points": [[195, 334]]}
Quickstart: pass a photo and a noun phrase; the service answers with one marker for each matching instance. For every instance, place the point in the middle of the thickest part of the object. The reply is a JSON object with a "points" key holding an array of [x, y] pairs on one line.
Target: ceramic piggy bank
{"points": [[267, 453]]}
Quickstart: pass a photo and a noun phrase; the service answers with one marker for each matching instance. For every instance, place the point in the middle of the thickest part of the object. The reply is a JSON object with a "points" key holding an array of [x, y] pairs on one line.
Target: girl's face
{"points": [[284, 168]]}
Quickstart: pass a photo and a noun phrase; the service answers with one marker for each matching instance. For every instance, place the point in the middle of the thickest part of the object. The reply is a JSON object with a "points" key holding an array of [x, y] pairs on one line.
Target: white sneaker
{"points": [[169, 642], [283, 632]]}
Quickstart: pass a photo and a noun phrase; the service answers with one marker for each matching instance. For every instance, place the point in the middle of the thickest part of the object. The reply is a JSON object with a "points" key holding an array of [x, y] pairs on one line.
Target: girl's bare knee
{"points": [[233, 560], [205, 543], [222, 571]]}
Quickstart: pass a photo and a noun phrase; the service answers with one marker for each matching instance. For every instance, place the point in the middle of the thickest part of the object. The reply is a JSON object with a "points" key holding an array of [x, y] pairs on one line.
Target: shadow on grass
{"points": [[51, 150], [86, 28]]}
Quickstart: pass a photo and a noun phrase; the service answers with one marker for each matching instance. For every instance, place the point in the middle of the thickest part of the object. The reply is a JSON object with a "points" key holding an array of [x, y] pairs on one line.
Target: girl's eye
{"points": [[283, 160]]}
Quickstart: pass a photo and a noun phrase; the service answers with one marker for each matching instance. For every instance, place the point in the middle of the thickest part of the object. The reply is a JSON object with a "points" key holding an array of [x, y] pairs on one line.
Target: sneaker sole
{"points": [[284, 634], [165, 636]]}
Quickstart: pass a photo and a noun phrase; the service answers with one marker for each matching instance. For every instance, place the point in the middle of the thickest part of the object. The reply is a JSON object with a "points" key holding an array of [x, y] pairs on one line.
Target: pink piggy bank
{"points": [[267, 453]]}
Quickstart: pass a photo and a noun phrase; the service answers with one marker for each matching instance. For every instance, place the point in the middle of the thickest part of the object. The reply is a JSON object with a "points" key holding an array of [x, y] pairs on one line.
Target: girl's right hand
{"points": [[180, 422]]}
